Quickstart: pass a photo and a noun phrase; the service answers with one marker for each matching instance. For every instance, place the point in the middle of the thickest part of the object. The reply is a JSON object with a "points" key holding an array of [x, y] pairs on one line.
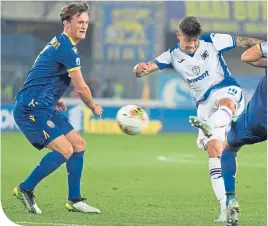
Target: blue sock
{"points": [[74, 167], [228, 165], [48, 164]]}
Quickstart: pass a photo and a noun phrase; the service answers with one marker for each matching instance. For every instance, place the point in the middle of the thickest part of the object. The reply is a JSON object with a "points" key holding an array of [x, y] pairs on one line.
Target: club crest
{"points": [[196, 70]]}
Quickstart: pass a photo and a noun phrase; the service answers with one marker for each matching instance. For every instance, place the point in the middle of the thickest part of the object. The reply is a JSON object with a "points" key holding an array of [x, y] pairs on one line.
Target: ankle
{"points": [[230, 195], [75, 199]]}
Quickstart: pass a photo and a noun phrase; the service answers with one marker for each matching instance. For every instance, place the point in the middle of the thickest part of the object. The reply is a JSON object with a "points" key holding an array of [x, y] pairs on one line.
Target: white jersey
{"points": [[206, 69]]}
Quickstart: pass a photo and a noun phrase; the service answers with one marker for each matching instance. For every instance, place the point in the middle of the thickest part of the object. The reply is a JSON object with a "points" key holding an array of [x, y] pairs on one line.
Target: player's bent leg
{"points": [[61, 145], [62, 150], [202, 124], [74, 167], [224, 114], [77, 142], [214, 148], [220, 118]]}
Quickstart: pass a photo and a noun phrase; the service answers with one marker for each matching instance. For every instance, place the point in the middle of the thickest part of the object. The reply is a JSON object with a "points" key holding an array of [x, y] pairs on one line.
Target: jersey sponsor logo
{"points": [[77, 61], [196, 70], [199, 78], [205, 55], [50, 124]]}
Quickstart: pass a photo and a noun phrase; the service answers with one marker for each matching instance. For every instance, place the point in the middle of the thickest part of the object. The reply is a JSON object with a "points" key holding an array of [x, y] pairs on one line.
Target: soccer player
{"points": [[36, 110], [198, 60], [250, 128]]}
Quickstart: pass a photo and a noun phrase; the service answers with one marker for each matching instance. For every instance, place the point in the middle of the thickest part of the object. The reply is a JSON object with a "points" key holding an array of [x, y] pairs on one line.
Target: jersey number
{"points": [[232, 91]]}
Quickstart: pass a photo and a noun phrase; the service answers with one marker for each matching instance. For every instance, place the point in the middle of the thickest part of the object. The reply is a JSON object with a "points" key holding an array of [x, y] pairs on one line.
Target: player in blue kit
{"points": [[250, 128], [37, 106]]}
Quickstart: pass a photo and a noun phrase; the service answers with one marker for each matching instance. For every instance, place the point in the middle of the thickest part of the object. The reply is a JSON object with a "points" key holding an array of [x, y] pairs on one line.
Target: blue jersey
{"points": [[257, 107], [48, 78], [251, 127]]}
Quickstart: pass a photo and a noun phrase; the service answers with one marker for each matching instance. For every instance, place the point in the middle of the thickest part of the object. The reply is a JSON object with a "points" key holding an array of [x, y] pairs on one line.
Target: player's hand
{"points": [[97, 109], [61, 106], [140, 69]]}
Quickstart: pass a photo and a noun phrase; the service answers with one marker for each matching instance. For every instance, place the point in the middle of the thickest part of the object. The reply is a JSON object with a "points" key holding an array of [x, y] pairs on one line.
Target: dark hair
{"points": [[190, 26], [73, 8]]}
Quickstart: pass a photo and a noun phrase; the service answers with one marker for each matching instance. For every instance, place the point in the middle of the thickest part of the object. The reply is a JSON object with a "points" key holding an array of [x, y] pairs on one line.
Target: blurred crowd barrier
{"points": [[168, 113]]}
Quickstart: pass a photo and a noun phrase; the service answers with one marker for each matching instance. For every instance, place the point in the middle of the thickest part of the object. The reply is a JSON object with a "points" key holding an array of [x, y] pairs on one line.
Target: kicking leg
{"points": [[220, 118]]}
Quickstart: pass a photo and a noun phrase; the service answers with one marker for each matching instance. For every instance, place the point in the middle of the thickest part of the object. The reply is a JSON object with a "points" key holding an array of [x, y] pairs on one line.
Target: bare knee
{"points": [[67, 151], [227, 102], [214, 148], [79, 145], [62, 145]]}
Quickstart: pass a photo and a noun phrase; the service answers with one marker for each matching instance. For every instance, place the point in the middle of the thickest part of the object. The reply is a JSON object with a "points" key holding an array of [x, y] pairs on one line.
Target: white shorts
{"points": [[209, 106]]}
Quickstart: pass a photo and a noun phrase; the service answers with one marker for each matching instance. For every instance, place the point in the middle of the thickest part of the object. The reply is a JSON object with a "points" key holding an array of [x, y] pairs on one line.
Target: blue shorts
{"points": [[39, 127], [246, 132]]}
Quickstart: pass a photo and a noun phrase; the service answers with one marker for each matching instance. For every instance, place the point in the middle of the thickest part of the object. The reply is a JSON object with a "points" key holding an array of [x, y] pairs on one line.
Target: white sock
{"points": [[217, 181], [222, 117]]}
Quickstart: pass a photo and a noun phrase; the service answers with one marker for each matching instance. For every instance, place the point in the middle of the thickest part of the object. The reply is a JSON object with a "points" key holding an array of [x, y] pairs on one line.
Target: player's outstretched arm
{"points": [[254, 56], [84, 92], [246, 42], [259, 63], [143, 69]]}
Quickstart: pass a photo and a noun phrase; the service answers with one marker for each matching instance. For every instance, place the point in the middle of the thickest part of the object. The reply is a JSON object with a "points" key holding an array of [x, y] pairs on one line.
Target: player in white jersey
{"points": [[198, 60]]}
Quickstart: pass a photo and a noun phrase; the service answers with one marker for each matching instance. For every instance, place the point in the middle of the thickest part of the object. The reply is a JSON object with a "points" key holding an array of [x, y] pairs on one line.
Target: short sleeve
{"points": [[223, 42], [164, 60], [69, 57]]}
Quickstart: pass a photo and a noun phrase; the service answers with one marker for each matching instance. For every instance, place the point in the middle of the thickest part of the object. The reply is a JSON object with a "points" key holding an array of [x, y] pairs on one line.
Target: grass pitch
{"points": [[135, 181]]}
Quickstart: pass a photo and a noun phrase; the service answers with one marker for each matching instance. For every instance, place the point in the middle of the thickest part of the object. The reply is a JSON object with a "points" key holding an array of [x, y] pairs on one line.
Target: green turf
{"points": [[123, 178]]}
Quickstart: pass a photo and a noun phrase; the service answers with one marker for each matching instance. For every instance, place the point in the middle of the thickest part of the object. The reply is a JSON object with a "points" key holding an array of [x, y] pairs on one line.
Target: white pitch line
{"points": [[55, 224], [190, 160]]}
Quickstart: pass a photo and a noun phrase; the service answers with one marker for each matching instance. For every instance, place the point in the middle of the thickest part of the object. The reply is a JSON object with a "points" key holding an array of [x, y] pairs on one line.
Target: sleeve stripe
{"points": [[162, 66], [259, 47], [73, 69], [234, 41]]}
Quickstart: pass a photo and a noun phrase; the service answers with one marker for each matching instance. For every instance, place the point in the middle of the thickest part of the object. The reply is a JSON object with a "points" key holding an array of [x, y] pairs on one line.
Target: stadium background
{"points": [[120, 35], [150, 180]]}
